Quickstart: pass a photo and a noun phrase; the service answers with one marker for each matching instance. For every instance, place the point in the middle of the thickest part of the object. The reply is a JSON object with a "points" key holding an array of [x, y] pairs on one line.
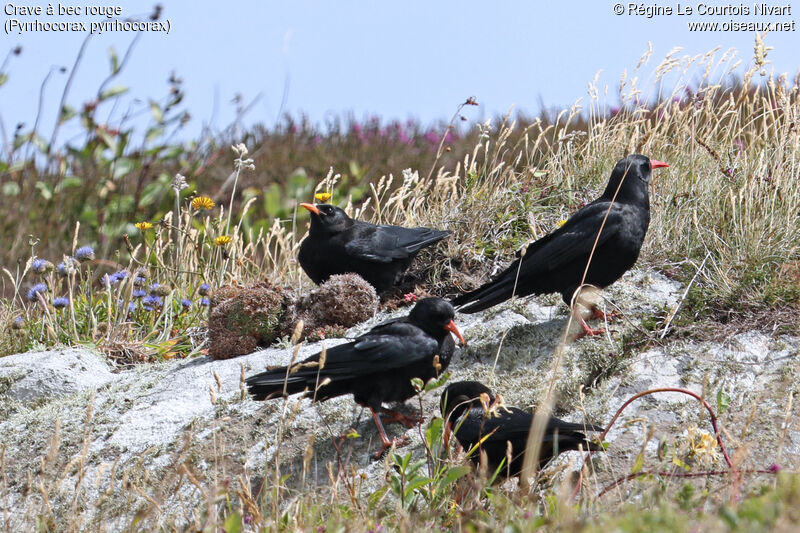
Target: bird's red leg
{"points": [[387, 443], [407, 421], [599, 313], [585, 327]]}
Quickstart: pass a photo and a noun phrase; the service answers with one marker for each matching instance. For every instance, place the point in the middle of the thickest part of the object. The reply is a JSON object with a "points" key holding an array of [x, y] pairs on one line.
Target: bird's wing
{"points": [[574, 239], [394, 345], [388, 243]]}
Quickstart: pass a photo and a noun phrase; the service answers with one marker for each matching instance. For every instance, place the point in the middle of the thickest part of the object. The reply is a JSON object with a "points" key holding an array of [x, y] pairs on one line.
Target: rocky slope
{"points": [[87, 446]]}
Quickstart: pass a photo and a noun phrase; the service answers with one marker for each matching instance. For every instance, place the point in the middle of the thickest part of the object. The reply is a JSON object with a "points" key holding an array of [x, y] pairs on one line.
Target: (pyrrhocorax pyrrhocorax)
{"points": [[376, 367], [472, 418], [557, 262], [338, 244]]}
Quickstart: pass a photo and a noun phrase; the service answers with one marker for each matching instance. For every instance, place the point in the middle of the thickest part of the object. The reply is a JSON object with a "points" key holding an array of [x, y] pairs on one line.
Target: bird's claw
{"points": [[396, 442], [599, 313], [408, 421]]}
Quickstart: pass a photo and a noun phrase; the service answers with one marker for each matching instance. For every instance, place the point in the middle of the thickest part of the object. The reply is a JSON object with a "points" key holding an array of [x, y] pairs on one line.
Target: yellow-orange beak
{"points": [[451, 327], [310, 207], [655, 163]]}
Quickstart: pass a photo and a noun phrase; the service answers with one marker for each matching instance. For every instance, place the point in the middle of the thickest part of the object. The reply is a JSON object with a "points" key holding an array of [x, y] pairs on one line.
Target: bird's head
{"points": [[458, 398], [435, 316], [327, 218], [631, 176]]}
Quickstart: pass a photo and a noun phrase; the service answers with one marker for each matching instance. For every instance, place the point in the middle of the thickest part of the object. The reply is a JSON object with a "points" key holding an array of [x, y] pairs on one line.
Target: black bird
{"points": [[557, 262], [473, 418], [376, 367], [338, 244]]}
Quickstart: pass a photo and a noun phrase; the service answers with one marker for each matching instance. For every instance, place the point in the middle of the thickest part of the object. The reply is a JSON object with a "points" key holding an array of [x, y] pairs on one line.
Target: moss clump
{"points": [[244, 318], [344, 300]]}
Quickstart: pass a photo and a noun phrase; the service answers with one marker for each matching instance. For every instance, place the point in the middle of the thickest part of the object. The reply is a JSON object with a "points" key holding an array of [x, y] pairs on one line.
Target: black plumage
{"points": [[338, 244], [557, 262], [472, 419], [376, 367]]}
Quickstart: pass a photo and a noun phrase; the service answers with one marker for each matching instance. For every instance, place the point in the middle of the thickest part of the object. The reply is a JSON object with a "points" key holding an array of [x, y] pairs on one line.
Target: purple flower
{"points": [[60, 302], [151, 302], [139, 293], [34, 291], [118, 276], [205, 302], [432, 137], [41, 266], [139, 281], [18, 323], [84, 253], [203, 289], [66, 267], [186, 303], [774, 468]]}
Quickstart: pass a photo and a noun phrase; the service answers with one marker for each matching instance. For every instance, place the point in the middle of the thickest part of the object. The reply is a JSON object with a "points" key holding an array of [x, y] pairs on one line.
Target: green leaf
{"points": [[436, 383], [433, 433], [233, 524], [453, 474], [112, 55], [68, 183], [157, 112], [10, 189], [377, 496], [45, 190], [723, 401], [638, 463], [417, 483], [678, 462], [113, 91], [67, 112], [418, 384], [122, 167], [107, 139]]}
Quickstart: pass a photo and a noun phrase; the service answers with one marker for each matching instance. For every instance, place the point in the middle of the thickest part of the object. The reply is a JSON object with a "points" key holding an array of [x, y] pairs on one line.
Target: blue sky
{"points": [[400, 60]]}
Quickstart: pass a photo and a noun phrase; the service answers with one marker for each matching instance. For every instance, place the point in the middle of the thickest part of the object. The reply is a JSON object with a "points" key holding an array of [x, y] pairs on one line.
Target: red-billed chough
{"points": [[476, 416], [376, 367], [338, 244], [557, 262]]}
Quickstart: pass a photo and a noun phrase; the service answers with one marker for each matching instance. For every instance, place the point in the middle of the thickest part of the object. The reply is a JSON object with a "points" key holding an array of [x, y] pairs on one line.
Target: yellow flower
{"points": [[142, 226], [222, 240], [561, 222], [202, 202], [322, 196]]}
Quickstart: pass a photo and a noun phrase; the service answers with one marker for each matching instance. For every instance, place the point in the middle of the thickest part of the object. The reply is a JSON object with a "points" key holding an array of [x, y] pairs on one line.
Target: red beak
{"points": [[451, 327], [655, 163], [310, 207]]}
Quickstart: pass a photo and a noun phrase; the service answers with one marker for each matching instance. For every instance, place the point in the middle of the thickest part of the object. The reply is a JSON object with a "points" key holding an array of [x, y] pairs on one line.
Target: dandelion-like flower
{"points": [[179, 183], [33, 292], [203, 289], [222, 240], [561, 222], [84, 253], [322, 196], [702, 445], [202, 202], [41, 266], [60, 302], [143, 226]]}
